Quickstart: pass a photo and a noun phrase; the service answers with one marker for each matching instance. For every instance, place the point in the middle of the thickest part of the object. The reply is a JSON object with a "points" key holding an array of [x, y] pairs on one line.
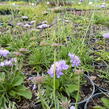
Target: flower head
{"points": [[103, 5], [4, 53], [106, 35], [81, 0], [58, 67], [8, 62], [74, 60], [38, 79], [23, 50], [65, 104], [72, 107], [43, 26], [18, 53], [78, 72]]}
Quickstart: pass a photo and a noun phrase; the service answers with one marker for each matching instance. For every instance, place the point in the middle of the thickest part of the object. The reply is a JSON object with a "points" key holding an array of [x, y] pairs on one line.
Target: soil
{"points": [[96, 101], [101, 82]]}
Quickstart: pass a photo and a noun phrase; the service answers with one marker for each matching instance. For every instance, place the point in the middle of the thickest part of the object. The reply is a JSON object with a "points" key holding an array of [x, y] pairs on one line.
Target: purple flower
{"points": [[74, 60], [81, 0], [13, 60], [58, 67], [103, 6], [43, 26], [8, 62], [106, 35], [72, 107], [4, 53]]}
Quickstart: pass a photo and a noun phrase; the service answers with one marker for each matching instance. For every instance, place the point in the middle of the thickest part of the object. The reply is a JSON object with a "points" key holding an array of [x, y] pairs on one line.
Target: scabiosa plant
{"points": [[58, 67], [4, 53], [74, 60], [106, 35]]}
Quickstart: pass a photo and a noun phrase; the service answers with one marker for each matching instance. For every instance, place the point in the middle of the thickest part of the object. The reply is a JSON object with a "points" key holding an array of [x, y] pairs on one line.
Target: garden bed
{"points": [[54, 58]]}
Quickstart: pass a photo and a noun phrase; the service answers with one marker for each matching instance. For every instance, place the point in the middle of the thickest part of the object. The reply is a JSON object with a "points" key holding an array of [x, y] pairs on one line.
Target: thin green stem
{"points": [[90, 23], [54, 79], [54, 89], [77, 97]]}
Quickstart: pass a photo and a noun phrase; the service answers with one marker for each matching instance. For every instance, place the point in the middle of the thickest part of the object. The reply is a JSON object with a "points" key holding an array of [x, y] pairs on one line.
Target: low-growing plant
{"points": [[12, 86], [11, 80], [61, 84], [100, 19]]}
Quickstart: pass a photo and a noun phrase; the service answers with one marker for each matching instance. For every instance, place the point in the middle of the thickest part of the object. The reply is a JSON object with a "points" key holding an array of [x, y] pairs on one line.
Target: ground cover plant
{"points": [[54, 54]]}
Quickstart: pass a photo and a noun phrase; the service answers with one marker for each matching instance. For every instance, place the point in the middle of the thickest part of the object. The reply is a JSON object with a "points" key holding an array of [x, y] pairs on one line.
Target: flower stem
{"points": [[77, 97], [54, 79]]}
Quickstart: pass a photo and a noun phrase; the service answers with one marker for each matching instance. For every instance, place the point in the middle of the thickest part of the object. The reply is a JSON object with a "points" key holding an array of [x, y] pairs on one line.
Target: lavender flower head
{"points": [[72, 107], [106, 35], [4, 53], [81, 0], [8, 62], [74, 60], [103, 5], [58, 67], [43, 26]]}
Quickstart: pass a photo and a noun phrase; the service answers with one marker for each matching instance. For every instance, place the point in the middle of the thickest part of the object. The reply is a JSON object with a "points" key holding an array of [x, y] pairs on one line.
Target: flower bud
{"points": [[38, 80], [33, 38], [78, 72], [44, 44], [23, 50], [18, 53], [56, 45], [65, 104]]}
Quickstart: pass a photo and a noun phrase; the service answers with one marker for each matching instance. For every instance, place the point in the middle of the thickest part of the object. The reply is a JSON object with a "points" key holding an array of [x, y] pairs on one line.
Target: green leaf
{"points": [[25, 93], [12, 93], [106, 102], [18, 80], [21, 91], [98, 107], [20, 87], [2, 77], [3, 101], [71, 88]]}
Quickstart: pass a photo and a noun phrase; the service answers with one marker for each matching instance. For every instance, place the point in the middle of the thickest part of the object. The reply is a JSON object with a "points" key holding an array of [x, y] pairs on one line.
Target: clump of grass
{"points": [[101, 19]]}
